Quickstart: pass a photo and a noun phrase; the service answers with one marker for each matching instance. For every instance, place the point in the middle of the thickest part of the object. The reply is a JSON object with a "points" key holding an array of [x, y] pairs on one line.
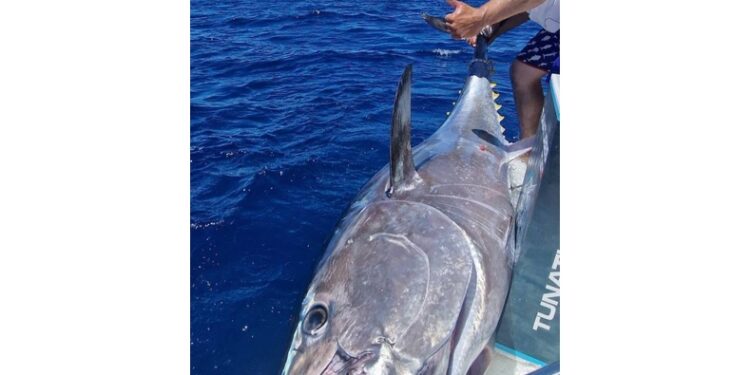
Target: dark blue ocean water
{"points": [[290, 111]]}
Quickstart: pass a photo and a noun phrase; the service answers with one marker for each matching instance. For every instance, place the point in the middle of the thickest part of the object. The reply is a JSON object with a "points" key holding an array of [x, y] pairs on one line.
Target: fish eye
{"points": [[315, 319]]}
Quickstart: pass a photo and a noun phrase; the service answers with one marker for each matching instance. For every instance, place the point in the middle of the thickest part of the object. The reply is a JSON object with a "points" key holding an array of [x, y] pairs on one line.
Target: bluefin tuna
{"points": [[417, 272]]}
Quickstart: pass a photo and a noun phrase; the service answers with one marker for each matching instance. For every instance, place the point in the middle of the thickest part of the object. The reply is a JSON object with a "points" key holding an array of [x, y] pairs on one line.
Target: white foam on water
{"points": [[446, 52]]}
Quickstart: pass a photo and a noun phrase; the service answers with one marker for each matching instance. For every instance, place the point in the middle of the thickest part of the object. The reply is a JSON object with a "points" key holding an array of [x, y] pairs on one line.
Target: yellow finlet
{"points": [[497, 106], [493, 84], [495, 95]]}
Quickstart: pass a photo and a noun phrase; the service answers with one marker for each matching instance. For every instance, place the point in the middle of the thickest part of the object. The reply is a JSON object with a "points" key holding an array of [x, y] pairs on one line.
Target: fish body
{"points": [[416, 274]]}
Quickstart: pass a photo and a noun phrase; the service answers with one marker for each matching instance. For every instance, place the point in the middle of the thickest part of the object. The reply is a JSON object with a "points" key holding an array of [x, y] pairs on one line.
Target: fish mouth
{"points": [[345, 364]]}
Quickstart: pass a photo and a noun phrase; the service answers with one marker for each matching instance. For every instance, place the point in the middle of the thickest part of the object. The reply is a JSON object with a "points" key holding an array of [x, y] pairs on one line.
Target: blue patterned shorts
{"points": [[542, 50]]}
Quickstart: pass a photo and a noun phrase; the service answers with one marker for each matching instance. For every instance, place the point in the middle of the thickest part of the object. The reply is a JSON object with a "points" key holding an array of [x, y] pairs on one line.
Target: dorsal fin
{"points": [[403, 173]]}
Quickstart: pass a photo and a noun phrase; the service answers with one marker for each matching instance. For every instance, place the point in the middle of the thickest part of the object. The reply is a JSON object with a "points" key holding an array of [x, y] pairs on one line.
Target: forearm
{"points": [[495, 11], [506, 25]]}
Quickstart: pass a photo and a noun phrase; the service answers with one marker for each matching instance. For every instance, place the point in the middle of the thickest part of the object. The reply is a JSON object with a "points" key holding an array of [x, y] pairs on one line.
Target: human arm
{"points": [[467, 21], [508, 24], [500, 28]]}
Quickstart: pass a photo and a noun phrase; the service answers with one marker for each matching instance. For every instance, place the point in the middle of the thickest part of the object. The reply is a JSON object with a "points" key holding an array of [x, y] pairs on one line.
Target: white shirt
{"points": [[547, 14]]}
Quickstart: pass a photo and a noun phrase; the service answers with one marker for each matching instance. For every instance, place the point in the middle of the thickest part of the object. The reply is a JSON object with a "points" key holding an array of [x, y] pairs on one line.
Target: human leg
{"points": [[527, 71], [528, 95]]}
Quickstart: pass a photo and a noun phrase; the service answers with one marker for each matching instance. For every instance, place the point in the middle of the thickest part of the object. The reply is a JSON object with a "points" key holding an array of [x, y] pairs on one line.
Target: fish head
{"points": [[315, 349], [387, 299], [358, 307]]}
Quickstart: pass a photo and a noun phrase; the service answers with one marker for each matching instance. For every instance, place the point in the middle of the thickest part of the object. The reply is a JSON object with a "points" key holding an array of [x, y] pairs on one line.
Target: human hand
{"points": [[486, 32], [465, 21]]}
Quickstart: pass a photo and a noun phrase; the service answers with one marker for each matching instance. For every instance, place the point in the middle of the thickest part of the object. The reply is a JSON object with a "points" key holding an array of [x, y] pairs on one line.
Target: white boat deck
{"points": [[504, 363]]}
